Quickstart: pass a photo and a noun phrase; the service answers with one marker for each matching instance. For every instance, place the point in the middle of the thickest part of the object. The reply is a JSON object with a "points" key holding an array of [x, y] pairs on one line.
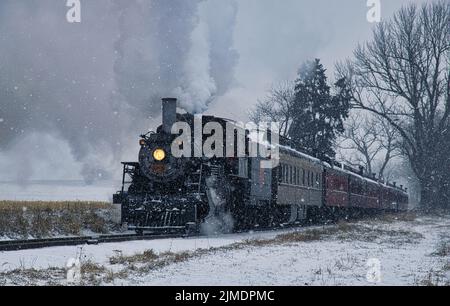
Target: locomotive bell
{"points": [[169, 114]]}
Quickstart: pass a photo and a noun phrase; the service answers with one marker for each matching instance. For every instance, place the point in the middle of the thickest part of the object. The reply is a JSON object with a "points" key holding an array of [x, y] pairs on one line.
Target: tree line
{"points": [[391, 101]]}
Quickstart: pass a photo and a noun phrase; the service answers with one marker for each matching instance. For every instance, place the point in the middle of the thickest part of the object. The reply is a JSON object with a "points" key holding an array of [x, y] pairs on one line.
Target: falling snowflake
{"points": [[1, 120]]}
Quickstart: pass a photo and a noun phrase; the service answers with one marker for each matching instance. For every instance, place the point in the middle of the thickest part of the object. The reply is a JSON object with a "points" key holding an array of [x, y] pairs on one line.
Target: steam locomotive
{"points": [[165, 193]]}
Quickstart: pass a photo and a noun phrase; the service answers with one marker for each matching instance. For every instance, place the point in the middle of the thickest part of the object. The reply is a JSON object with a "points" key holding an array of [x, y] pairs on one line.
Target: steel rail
{"points": [[16, 245]]}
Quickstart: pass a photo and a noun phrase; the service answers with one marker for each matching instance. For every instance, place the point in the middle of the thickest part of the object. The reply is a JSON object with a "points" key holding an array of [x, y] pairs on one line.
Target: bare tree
{"points": [[277, 106], [370, 142], [359, 143], [389, 144], [403, 76]]}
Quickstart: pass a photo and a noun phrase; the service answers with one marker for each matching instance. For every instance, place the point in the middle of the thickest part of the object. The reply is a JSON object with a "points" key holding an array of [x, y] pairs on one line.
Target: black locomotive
{"points": [[165, 193]]}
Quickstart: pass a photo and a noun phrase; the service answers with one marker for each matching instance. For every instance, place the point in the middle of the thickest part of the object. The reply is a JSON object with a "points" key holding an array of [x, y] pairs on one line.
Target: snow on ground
{"points": [[58, 191], [404, 261], [59, 256], [406, 252]]}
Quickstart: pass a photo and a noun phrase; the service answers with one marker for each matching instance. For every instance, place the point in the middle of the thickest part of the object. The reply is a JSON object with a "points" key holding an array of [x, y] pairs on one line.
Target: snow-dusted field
{"points": [[391, 252], [58, 191]]}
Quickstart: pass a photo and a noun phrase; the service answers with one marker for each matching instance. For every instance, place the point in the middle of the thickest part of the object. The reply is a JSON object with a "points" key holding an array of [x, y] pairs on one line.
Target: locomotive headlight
{"points": [[159, 154]]}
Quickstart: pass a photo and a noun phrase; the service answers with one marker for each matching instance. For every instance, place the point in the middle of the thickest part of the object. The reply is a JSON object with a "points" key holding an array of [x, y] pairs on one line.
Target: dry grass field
{"points": [[43, 219]]}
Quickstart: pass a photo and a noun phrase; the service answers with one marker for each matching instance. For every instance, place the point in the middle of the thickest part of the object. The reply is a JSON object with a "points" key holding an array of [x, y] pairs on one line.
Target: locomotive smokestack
{"points": [[169, 114]]}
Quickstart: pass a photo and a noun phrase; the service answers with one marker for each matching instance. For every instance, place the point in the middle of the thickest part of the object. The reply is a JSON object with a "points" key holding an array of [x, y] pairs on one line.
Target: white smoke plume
{"points": [[94, 85], [189, 53]]}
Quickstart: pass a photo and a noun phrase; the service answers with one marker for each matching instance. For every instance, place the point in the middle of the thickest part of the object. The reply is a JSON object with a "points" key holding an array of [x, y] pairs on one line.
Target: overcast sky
{"points": [[274, 37], [74, 97]]}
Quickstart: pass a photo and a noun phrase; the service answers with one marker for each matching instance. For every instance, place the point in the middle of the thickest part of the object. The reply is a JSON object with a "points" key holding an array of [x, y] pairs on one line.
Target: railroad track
{"points": [[16, 245]]}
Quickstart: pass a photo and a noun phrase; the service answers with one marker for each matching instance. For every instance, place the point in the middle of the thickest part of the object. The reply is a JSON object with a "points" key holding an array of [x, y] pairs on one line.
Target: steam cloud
{"points": [[94, 85], [188, 52]]}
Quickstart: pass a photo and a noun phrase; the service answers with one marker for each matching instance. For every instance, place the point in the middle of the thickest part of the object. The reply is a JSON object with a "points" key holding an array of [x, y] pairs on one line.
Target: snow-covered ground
{"points": [[58, 191], [366, 253]]}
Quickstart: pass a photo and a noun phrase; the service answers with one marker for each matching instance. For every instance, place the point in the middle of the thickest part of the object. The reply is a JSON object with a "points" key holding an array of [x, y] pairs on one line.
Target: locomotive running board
{"points": [[155, 229], [188, 229]]}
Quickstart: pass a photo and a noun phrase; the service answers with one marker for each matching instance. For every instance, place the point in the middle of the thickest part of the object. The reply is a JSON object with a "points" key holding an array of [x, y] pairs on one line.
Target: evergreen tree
{"points": [[318, 115]]}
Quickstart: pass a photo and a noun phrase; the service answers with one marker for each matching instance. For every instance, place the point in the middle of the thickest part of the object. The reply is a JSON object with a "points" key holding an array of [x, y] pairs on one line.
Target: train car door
{"points": [[261, 186]]}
